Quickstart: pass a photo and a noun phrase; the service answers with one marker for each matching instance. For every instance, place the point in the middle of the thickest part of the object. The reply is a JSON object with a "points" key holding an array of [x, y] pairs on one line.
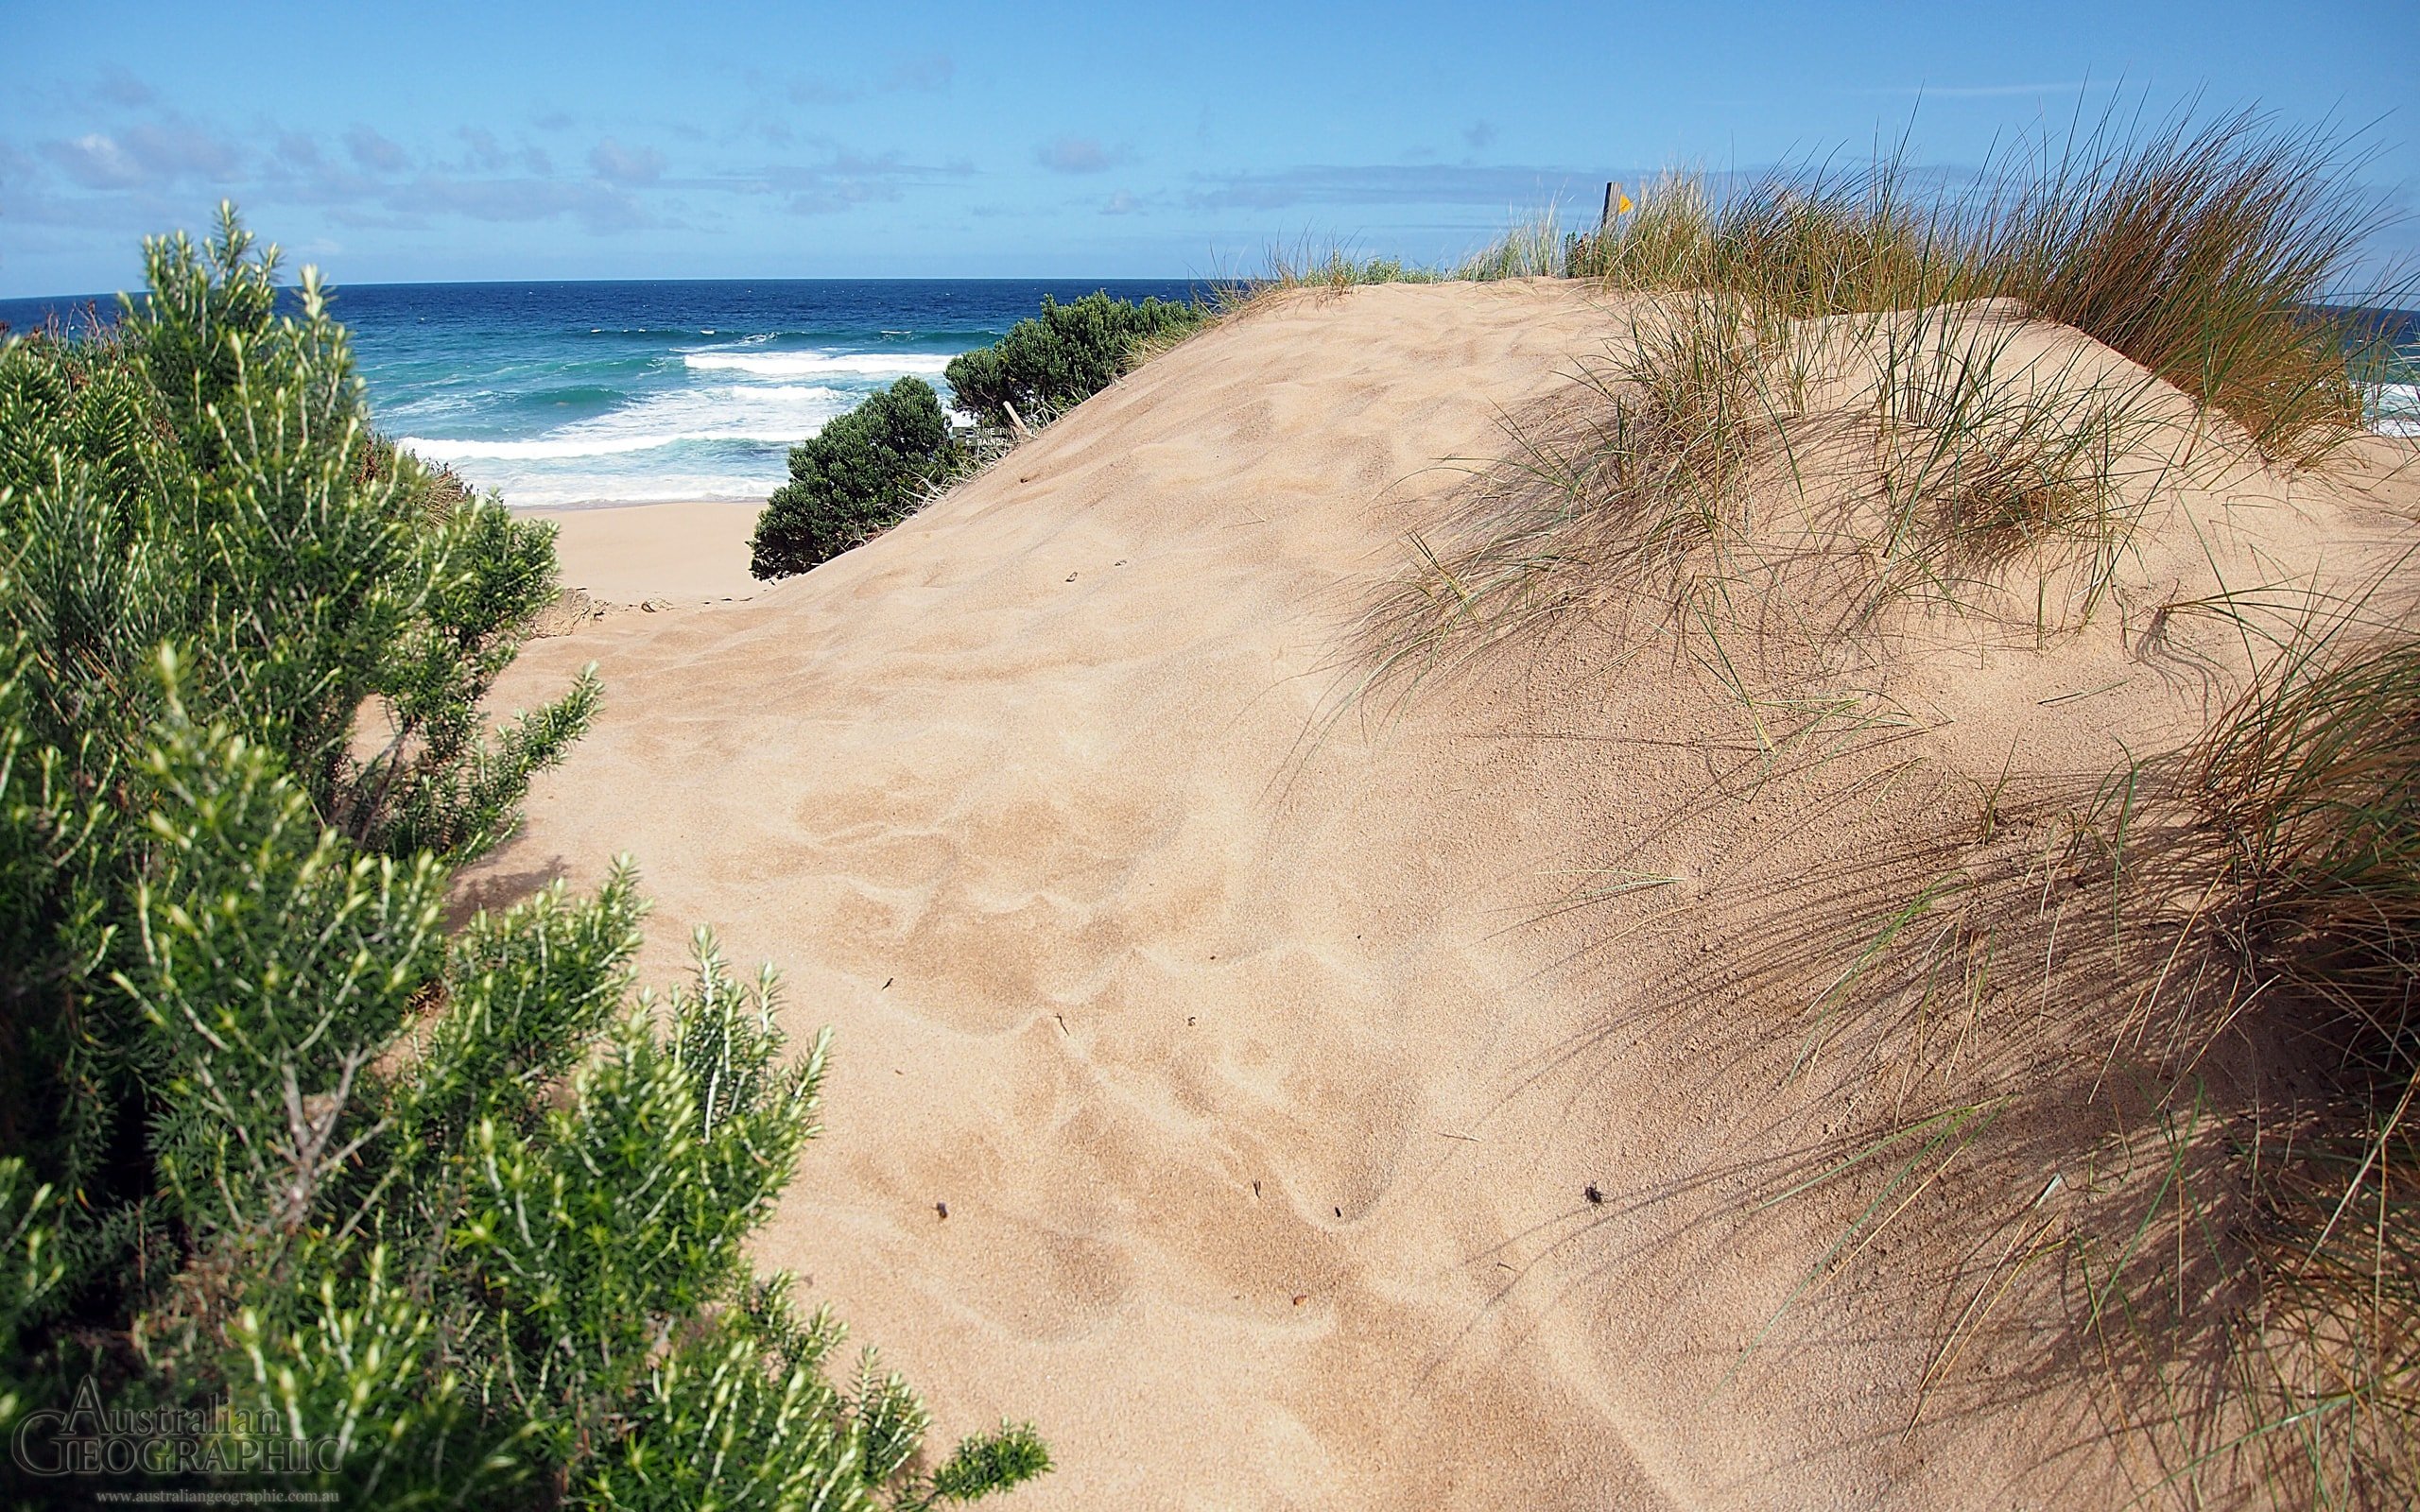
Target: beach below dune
{"points": [[674, 553]]}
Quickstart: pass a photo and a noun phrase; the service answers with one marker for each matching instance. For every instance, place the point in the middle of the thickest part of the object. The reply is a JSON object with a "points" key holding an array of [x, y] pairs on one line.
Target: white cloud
{"points": [[96, 161]]}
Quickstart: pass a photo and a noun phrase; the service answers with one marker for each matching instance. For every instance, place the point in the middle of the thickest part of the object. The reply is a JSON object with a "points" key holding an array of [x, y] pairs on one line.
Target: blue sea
{"points": [[562, 394], [559, 393]]}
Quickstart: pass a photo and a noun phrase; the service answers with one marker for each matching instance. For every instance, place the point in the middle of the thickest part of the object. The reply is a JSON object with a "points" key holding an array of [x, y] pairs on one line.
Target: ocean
{"points": [[599, 393], [596, 393], [2391, 387]]}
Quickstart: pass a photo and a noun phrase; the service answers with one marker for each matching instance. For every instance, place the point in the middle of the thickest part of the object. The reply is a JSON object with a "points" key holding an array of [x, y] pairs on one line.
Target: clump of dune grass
{"points": [[2313, 781], [2331, 1377], [1340, 269], [2203, 250], [1943, 455], [1662, 242], [2388, 377], [2206, 254], [1532, 246], [2275, 1351], [1639, 463], [2243, 1264], [2310, 787], [1325, 269], [1985, 454], [1802, 242], [2198, 251]]}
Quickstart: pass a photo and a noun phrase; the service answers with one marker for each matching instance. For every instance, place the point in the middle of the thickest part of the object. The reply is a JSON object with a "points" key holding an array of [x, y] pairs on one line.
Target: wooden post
{"points": [[1613, 198]]}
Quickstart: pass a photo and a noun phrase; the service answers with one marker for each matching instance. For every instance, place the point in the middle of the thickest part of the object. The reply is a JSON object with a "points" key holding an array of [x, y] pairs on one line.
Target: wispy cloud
{"points": [[375, 152], [96, 161], [845, 179], [147, 155], [820, 92], [627, 166], [481, 152], [119, 87], [598, 207], [297, 169], [1075, 154], [364, 179], [1385, 184]]}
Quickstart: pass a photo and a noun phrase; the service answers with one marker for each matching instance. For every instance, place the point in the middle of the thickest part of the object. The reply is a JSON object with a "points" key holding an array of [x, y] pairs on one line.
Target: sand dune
{"points": [[1376, 1111]]}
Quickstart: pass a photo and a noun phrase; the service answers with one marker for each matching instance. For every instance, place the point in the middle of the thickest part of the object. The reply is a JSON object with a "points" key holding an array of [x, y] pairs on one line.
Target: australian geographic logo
{"points": [[221, 1439]]}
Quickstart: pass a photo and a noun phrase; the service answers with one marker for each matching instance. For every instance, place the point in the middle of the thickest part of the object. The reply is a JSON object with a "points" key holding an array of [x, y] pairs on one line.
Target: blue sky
{"points": [[505, 141]]}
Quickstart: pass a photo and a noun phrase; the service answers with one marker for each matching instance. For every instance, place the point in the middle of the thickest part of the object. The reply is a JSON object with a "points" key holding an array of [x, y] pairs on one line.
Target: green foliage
{"points": [[868, 469], [30, 1265], [1064, 356], [455, 1221], [984, 1464]]}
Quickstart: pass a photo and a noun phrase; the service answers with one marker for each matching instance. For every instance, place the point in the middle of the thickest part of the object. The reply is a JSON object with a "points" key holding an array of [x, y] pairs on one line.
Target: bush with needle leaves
{"points": [[419, 1219]]}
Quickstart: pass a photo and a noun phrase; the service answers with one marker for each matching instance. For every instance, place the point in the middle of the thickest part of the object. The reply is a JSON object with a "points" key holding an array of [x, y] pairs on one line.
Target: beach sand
{"points": [[1401, 1102], [677, 552]]}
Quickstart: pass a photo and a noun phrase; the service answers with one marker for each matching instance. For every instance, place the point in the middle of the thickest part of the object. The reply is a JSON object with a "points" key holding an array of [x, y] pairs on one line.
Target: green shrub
{"points": [[1062, 356], [865, 472], [452, 1219]]}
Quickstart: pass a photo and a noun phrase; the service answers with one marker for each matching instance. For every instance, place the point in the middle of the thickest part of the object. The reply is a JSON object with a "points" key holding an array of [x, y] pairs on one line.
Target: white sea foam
{"points": [[2394, 410], [539, 488], [809, 364], [438, 449], [775, 414]]}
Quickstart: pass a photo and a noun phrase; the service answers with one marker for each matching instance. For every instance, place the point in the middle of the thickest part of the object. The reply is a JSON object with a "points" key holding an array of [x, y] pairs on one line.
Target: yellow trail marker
{"points": [[1615, 202]]}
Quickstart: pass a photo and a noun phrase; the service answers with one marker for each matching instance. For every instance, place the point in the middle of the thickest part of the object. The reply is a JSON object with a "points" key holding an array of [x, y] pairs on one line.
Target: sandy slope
{"points": [[1267, 1064]]}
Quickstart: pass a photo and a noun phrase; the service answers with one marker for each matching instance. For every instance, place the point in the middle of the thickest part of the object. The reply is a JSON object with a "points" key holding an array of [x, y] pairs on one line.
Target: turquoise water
{"points": [[617, 393], [600, 393]]}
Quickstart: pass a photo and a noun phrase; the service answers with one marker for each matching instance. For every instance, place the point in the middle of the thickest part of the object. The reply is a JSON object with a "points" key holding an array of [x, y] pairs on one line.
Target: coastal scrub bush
{"points": [[864, 471], [1064, 356], [291, 1181]]}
